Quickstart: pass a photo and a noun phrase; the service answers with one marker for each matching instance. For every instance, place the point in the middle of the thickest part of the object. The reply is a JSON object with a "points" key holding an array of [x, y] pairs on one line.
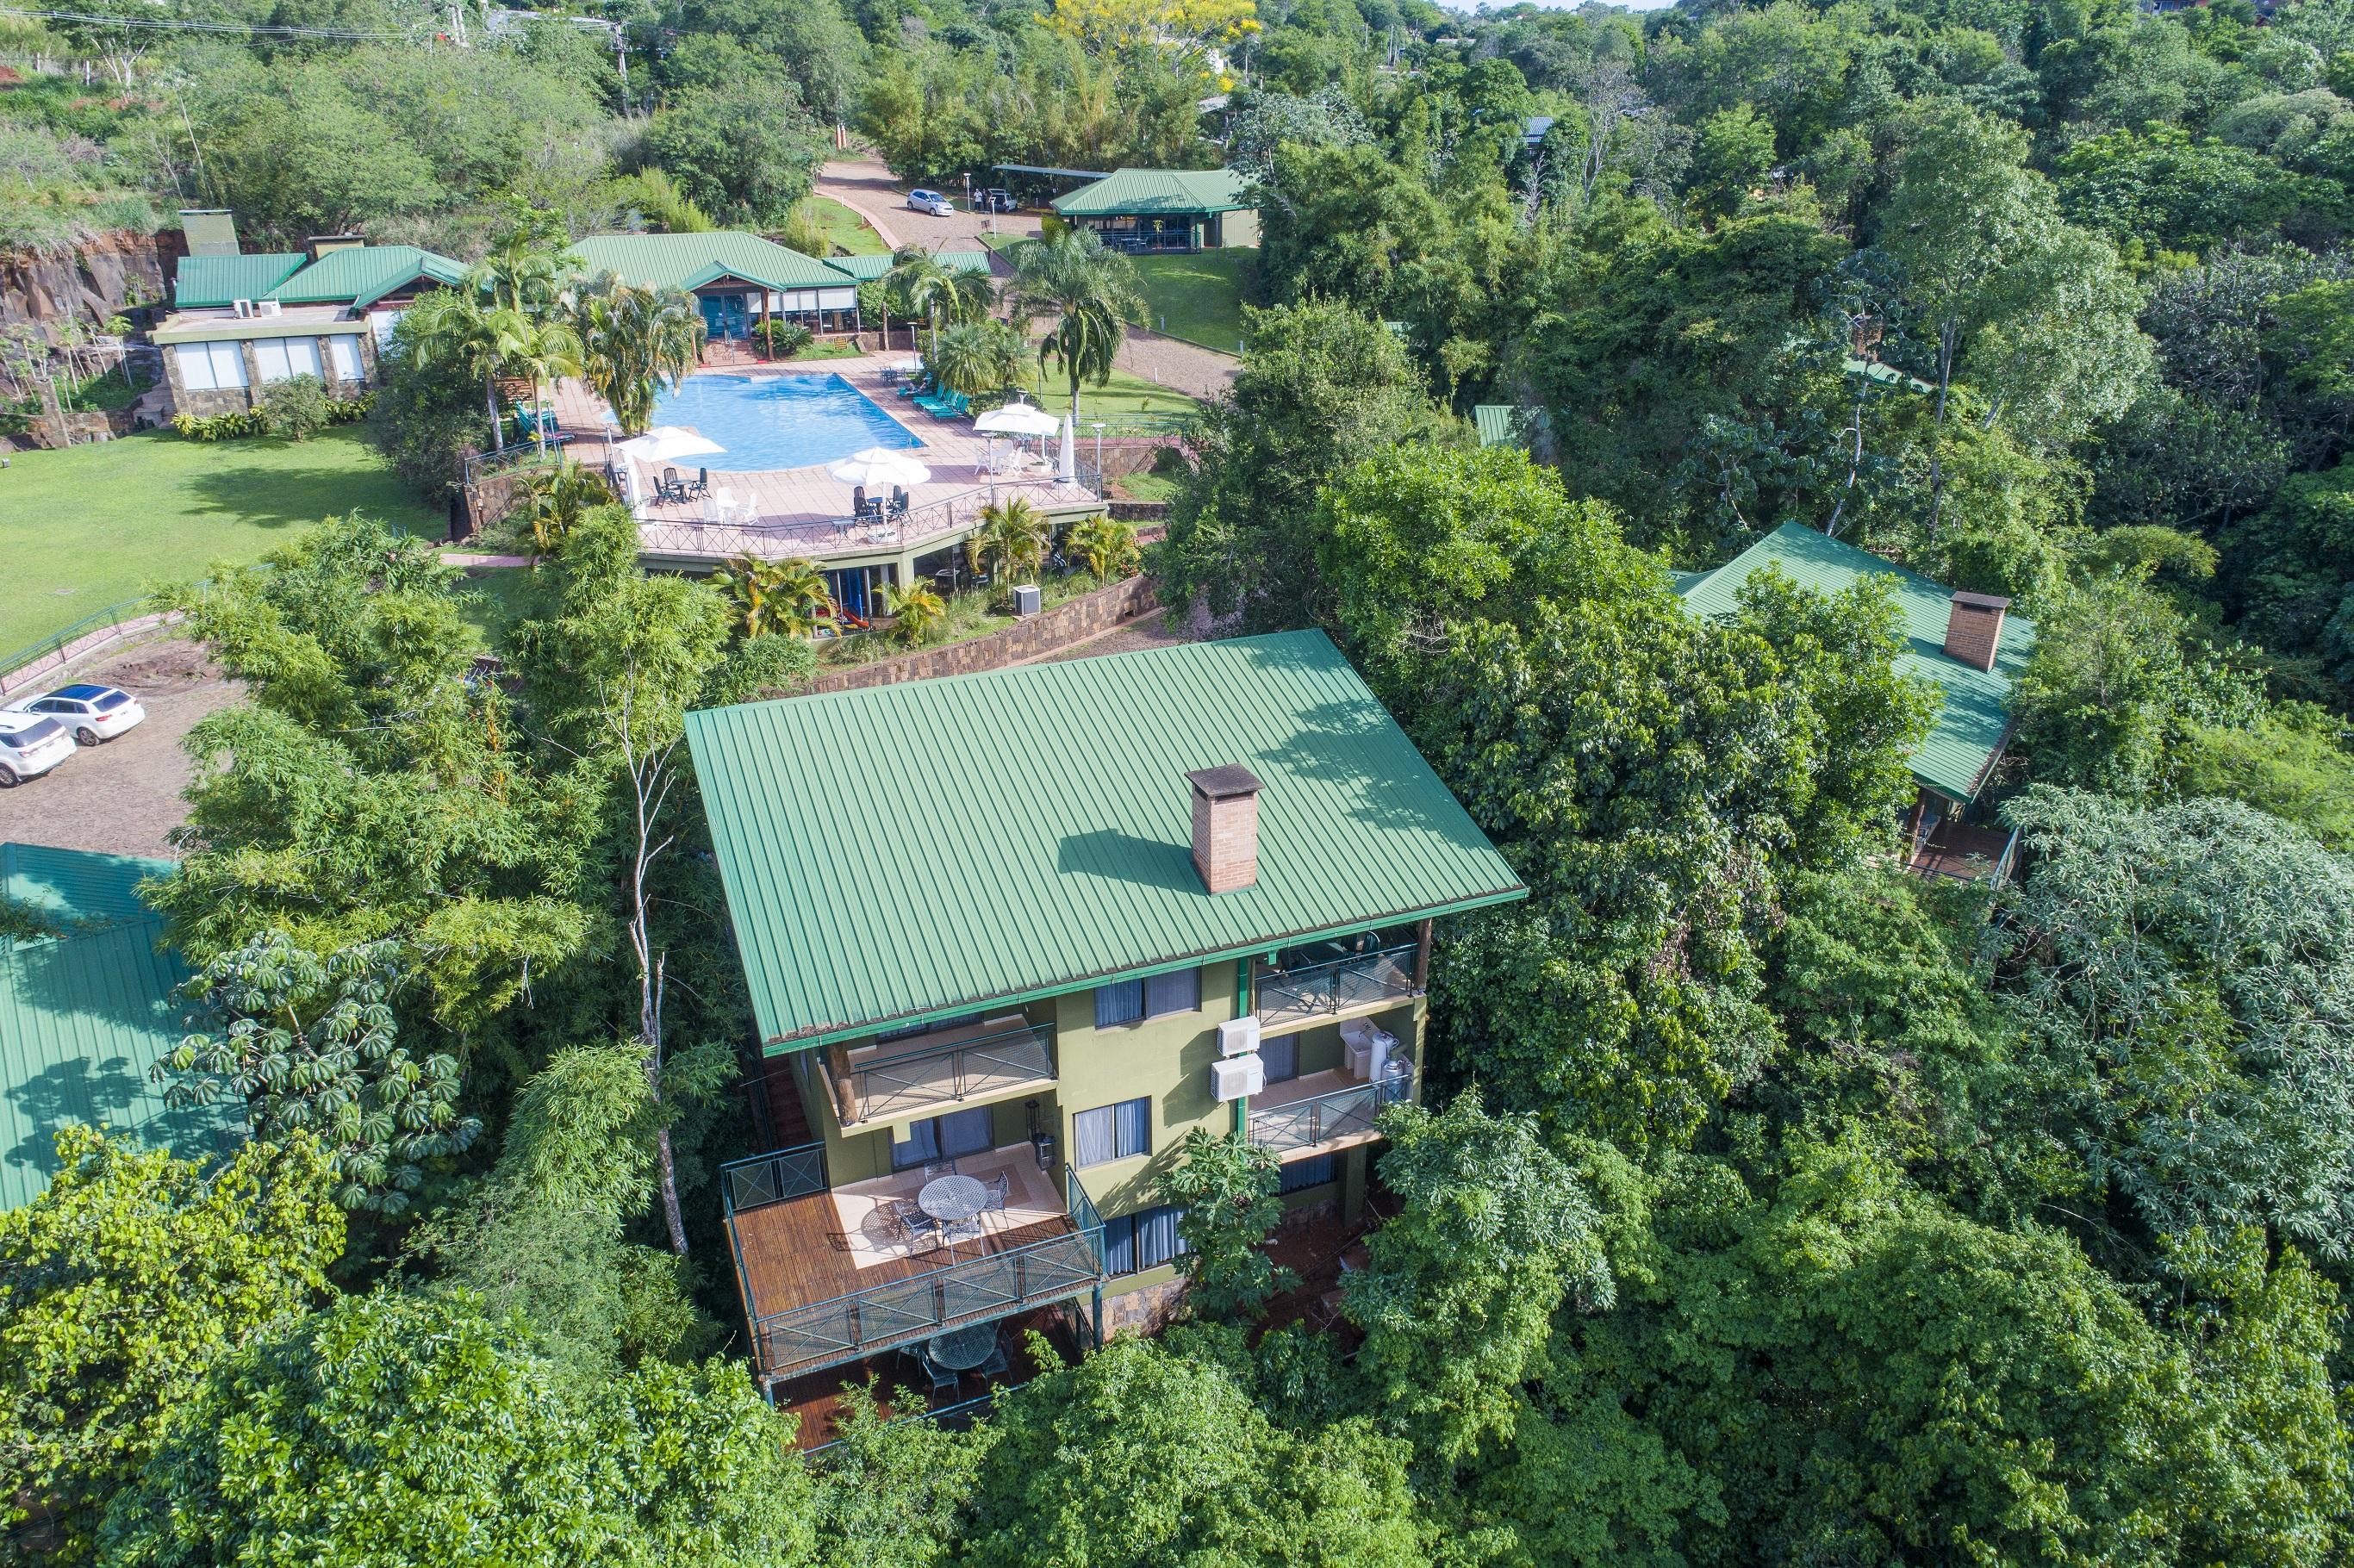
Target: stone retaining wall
{"points": [[1058, 627]]}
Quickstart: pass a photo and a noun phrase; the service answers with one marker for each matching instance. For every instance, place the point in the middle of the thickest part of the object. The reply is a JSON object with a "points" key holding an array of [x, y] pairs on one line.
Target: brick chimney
{"points": [[1974, 628], [1226, 827]]}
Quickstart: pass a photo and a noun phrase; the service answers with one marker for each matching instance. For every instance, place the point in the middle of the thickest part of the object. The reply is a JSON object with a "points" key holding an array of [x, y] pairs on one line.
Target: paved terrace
{"points": [[805, 511]]}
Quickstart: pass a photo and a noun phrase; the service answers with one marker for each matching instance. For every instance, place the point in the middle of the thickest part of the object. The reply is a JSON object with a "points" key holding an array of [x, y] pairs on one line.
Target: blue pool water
{"points": [[779, 421]]}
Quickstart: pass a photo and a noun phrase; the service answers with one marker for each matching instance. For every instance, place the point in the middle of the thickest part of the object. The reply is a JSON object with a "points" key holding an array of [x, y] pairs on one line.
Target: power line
{"points": [[175, 25]]}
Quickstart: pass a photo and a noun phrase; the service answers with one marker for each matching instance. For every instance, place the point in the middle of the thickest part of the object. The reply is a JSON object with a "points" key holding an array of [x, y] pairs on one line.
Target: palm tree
{"points": [[489, 341], [555, 499], [1009, 539], [787, 598], [1107, 547], [974, 358], [545, 350], [1093, 293], [919, 286], [915, 611], [520, 274], [632, 339]]}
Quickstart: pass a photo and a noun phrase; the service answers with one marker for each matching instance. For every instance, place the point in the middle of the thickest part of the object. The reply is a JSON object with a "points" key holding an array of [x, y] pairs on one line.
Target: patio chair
{"points": [[942, 1378], [670, 487], [910, 1223], [995, 1365], [935, 1169], [858, 501], [998, 1189], [898, 502], [702, 482]]}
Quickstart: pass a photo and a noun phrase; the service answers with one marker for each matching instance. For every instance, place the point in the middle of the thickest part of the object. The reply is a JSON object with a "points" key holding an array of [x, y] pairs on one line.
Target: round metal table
{"points": [[961, 1350], [952, 1199]]}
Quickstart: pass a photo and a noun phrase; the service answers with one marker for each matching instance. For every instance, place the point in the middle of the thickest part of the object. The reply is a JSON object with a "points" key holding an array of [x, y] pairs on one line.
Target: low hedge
{"points": [[256, 421]]}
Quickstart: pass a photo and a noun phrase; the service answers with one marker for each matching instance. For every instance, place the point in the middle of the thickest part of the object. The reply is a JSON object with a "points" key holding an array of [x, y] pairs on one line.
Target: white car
{"points": [[932, 202], [30, 744], [89, 714]]}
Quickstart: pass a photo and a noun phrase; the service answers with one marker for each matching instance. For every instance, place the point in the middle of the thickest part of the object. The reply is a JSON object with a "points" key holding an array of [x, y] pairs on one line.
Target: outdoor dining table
{"points": [[952, 1200], [961, 1350]]}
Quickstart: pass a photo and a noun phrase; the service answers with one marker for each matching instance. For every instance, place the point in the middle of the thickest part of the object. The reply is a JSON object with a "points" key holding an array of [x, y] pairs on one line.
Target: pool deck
{"points": [[804, 512]]}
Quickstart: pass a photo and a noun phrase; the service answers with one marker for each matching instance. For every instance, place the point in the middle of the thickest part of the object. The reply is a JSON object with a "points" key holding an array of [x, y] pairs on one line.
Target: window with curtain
{"points": [[280, 358], [1179, 990], [209, 367], [1122, 1002], [344, 353], [943, 1137], [1281, 1057], [1134, 1243], [1301, 1174], [1111, 1132]]}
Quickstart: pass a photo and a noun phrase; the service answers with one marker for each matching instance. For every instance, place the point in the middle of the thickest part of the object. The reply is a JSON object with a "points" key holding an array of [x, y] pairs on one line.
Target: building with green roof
{"points": [[1970, 647], [1165, 209], [867, 268], [736, 278], [85, 1012], [243, 322], [1043, 922]]}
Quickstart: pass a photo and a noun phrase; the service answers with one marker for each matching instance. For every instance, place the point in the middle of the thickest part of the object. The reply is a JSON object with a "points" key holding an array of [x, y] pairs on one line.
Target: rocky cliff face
{"points": [[94, 282]]}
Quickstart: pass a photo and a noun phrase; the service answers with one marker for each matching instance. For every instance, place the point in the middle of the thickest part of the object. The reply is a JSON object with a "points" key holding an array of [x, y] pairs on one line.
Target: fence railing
{"points": [[1319, 990], [818, 538], [765, 1179], [892, 1086], [1342, 1113], [900, 1311], [962, 1413], [516, 454]]}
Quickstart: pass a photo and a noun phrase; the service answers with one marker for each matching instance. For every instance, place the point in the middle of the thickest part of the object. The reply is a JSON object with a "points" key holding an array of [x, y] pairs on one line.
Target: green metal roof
{"points": [[212, 281], [364, 274], [914, 851], [1973, 724], [863, 268], [689, 261], [1156, 191], [83, 1016]]}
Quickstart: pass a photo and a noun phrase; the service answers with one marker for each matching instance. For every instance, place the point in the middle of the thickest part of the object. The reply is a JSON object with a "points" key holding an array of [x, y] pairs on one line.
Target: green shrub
{"points": [[296, 409], [256, 422], [785, 339]]}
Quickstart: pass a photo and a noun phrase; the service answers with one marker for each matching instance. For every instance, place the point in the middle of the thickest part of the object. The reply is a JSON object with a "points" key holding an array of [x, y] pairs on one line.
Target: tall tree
{"points": [[633, 340], [1091, 291]]}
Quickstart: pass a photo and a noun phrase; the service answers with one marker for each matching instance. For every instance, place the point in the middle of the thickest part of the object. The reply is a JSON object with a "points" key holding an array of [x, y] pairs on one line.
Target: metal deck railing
{"points": [[1319, 990], [1343, 1113], [892, 1086]]}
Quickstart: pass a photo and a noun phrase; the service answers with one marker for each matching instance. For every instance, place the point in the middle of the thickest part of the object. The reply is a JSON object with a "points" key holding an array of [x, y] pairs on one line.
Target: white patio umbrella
{"points": [[668, 443], [1018, 419], [1066, 461], [878, 467], [907, 366]]}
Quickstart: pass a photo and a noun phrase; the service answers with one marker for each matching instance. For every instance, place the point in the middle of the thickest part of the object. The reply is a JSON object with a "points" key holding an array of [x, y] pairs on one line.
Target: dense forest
{"points": [[1772, 1206]]}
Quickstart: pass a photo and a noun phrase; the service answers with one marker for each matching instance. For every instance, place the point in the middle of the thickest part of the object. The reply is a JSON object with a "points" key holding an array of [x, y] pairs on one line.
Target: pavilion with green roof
{"points": [[1165, 209], [86, 1012], [737, 279], [1970, 646]]}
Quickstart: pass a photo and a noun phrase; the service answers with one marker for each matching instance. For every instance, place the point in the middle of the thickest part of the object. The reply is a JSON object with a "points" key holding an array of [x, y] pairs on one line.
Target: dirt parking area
{"points": [[123, 798]]}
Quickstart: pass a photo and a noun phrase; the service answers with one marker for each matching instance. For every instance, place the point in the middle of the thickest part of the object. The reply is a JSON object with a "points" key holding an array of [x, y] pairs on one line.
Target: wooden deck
{"points": [[823, 1287], [1964, 854]]}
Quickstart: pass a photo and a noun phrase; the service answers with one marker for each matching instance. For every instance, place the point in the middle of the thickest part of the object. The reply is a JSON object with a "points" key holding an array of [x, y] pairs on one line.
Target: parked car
{"points": [[996, 199], [30, 744], [89, 714], [932, 202]]}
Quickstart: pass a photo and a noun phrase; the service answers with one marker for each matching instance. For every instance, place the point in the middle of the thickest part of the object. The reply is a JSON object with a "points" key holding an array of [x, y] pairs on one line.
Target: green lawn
{"points": [[846, 229], [1127, 398], [1198, 298], [94, 525]]}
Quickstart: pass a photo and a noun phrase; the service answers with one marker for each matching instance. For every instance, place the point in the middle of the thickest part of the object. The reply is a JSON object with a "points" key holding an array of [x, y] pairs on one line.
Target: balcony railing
{"points": [[975, 1289], [892, 1086], [1319, 990], [765, 1179], [1343, 1113]]}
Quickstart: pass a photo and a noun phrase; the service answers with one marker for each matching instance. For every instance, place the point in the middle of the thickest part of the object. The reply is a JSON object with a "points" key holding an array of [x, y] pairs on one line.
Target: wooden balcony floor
{"points": [[788, 1262], [1964, 853]]}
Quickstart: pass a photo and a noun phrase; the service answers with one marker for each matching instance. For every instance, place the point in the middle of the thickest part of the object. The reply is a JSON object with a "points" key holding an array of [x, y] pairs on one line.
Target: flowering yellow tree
{"points": [[1104, 25]]}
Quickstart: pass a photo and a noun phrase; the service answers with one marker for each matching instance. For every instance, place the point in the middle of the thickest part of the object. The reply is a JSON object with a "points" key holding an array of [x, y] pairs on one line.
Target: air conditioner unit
{"points": [[241, 307], [1237, 1035], [1237, 1077], [270, 308], [1025, 601]]}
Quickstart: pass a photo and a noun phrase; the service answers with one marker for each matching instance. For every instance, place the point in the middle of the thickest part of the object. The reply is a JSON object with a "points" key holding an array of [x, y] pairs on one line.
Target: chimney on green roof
{"points": [[1226, 827], [1974, 628]]}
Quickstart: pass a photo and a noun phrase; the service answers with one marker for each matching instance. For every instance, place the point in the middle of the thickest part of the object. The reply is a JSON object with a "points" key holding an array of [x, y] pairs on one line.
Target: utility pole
{"points": [[621, 53]]}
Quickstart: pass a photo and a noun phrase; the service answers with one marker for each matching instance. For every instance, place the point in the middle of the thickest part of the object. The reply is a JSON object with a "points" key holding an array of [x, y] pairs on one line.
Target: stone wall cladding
{"points": [[1052, 630], [1145, 1311]]}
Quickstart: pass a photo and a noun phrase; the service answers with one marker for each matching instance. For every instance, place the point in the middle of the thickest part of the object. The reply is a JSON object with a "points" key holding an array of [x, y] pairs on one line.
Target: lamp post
{"points": [[1098, 424]]}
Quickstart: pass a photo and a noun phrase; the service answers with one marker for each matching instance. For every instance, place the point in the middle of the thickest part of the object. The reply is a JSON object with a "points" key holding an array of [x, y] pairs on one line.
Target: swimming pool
{"points": [[779, 421]]}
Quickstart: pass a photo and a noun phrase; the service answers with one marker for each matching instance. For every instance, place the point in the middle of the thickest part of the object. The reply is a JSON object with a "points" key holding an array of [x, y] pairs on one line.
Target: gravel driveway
{"points": [[122, 797]]}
